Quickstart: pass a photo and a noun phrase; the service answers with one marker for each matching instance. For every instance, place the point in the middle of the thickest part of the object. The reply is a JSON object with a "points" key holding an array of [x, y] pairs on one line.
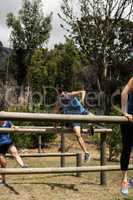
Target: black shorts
{"points": [[73, 124], [4, 148]]}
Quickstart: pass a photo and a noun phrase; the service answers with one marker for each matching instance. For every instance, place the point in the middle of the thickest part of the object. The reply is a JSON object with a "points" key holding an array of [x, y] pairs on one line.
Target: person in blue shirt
{"points": [[6, 144], [69, 103]]}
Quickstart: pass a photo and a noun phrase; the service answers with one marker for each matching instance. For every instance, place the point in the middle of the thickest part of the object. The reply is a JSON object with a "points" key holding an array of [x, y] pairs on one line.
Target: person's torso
{"points": [[130, 103], [70, 105], [5, 137]]}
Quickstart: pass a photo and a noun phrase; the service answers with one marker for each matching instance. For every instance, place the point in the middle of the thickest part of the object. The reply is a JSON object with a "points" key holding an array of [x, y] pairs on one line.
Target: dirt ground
{"points": [[62, 186]]}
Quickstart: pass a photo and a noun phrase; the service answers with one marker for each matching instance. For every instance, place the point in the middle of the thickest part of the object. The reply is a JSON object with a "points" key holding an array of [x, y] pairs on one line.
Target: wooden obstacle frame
{"points": [[62, 118]]}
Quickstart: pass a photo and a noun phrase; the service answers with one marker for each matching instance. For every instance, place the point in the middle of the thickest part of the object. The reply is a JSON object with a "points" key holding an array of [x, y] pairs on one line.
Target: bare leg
{"points": [[124, 176], [14, 152], [3, 164], [81, 142]]}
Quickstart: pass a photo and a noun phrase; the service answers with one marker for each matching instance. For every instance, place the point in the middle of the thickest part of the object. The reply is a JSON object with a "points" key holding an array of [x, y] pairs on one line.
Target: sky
{"points": [[6, 6]]}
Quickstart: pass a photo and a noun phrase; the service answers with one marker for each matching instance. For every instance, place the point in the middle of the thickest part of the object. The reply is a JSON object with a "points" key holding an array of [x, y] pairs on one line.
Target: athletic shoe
{"points": [[87, 157], [25, 166], [124, 188], [2, 182]]}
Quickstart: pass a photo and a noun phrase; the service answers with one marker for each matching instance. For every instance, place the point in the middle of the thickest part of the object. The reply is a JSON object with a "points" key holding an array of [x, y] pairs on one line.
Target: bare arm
{"points": [[56, 110], [80, 93], [124, 97]]}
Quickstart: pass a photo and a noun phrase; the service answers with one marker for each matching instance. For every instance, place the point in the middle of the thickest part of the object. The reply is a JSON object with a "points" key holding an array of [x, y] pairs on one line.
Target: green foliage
{"points": [[104, 35], [114, 139], [27, 140], [30, 29], [59, 67]]}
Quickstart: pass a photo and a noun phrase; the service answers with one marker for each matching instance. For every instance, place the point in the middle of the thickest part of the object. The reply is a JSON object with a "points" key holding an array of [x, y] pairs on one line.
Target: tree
{"points": [[59, 67], [30, 30], [103, 31]]}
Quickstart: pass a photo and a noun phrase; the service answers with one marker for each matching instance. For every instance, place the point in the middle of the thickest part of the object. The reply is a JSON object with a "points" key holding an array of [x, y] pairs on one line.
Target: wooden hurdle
{"points": [[45, 155], [50, 129], [78, 157], [62, 130], [61, 117], [72, 118], [54, 170]]}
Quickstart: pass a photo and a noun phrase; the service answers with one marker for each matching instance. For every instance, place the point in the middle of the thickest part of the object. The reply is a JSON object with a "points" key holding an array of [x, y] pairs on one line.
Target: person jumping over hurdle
{"points": [[69, 103]]}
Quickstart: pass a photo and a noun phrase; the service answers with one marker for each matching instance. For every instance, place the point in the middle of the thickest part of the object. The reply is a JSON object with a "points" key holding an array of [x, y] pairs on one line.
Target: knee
{"points": [[3, 161], [14, 153], [78, 135]]}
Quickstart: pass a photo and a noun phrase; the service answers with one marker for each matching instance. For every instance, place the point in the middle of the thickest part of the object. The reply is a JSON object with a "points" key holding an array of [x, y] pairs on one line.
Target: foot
{"points": [[124, 188], [25, 166], [2, 182], [87, 157]]}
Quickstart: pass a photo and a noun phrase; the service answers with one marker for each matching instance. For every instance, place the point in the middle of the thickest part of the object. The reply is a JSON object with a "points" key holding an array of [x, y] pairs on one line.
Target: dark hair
{"points": [[60, 90]]}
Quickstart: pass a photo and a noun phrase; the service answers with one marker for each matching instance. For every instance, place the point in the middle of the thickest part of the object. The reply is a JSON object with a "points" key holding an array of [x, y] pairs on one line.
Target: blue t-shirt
{"points": [[5, 137], [70, 105]]}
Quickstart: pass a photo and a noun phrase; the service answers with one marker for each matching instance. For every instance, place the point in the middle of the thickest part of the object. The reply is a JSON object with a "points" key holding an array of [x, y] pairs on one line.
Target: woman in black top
{"points": [[127, 132]]}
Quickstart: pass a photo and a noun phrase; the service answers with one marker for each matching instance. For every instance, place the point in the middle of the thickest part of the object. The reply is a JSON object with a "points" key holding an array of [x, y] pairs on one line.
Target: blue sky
{"points": [[6, 6]]}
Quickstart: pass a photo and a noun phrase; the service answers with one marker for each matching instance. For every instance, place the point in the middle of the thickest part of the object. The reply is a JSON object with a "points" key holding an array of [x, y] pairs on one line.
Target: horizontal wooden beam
{"points": [[50, 130], [61, 117], [22, 130], [54, 170], [44, 154], [67, 129]]}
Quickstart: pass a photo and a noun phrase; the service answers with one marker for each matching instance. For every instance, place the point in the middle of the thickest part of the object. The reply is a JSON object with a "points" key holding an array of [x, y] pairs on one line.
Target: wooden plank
{"points": [[61, 117], [44, 154], [54, 170], [49, 130]]}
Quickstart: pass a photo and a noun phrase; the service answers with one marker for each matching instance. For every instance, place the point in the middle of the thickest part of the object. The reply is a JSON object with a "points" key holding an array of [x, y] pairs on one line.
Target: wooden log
{"points": [[61, 117], [54, 170], [66, 129], [39, 143], [103, 177], [49, 130], [62, 148], [78, 163], [22, 130], [45, 154]]}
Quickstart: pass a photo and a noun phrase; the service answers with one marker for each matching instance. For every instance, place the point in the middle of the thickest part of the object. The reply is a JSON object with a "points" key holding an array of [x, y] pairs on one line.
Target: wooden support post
{"points": [[39, 144], [103, 178], [62, 161], [78, 163]]}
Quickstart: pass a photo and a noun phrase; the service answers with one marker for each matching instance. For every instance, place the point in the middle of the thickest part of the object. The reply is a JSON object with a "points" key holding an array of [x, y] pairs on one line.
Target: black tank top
{"points": [[130, 103]]}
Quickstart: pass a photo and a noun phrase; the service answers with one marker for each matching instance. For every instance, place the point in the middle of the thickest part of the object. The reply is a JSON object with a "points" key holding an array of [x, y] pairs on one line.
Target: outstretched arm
{"points": [[124, 98], [80, 93]]}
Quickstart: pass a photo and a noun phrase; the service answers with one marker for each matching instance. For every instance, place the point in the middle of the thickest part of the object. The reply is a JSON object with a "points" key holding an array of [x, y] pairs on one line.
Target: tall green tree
{"points": [[29, 31], [103, 30], [58, 67]]}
